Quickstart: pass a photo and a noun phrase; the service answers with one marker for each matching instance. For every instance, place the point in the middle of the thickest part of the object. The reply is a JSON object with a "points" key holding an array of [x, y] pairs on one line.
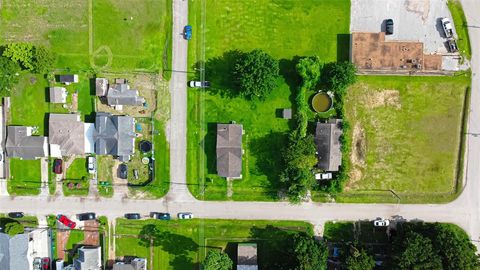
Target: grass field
{"points": [[406, 134], [283, 29], [77, 174], [104, 170], [461, 27], [25, 177], [182, 244]]}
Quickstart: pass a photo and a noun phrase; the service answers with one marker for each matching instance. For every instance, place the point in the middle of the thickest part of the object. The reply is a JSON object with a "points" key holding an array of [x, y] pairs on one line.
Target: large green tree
{"points": [[216, 260], [14, 228], [21, 53], [43, 59], [417, 252], [359, 260], [338, 76], [8, 75], [309, 253], [256, 74]]}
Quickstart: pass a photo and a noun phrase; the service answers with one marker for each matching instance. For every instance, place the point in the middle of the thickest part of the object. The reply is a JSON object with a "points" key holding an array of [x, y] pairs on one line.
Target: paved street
{"points": [[465, 211]]}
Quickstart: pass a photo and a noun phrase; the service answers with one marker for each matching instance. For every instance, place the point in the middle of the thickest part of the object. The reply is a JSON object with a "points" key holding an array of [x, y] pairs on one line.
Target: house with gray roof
{"points": [[121, 94], [66, 135], [327, 141], [21, 144], [247, 256], [101, 87], [135, 264], [114, 135], [14, 252], [229, 150], [89, 258], [58, 95]]}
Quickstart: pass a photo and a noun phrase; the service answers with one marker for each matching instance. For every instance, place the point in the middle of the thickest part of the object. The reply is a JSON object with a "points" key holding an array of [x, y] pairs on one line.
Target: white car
{"points": [[199, 84], [380, 222], [185, 215], [92, 165]]}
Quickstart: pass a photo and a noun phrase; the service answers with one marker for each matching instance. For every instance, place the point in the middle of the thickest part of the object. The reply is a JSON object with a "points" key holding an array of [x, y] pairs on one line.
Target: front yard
{"points": [[77, 179], [25, 177]]}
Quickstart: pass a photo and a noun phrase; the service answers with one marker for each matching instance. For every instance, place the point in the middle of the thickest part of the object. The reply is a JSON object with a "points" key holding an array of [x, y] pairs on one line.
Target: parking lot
{"points": [[414, 20]]}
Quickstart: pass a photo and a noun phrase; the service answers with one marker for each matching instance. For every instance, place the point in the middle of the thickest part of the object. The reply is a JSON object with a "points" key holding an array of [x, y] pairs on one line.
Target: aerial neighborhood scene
{"points": [[239, 135]]}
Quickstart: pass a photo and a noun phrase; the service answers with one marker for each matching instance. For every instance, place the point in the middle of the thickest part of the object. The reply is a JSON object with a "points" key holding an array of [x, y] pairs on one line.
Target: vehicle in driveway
{"points": [[161, 216], [199, 84], [133, 216], [380, 222], [15, 214], [389, 27], [92, 165], [185, 215], [86, 216], [187, 32], [66, 221], [123, 171], [46, 263], [452, 46], [447, 27], [57, 166]]}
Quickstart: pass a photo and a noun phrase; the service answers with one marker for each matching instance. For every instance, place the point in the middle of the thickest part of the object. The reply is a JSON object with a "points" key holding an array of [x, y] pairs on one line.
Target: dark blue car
{"points": [[187, 32]]}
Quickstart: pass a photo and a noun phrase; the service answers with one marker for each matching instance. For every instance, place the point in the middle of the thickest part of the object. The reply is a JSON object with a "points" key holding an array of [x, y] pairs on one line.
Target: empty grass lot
{"points": [[105, 170], [406, 134], [182, 244], [25, 177], [77, 174], [285, 29]]}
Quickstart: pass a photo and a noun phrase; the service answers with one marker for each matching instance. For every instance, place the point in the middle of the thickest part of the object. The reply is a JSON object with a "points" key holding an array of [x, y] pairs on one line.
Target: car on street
{"points": [[15, 214], [92, 165], [133, 216], [161, 216], [86, 216], [66, 221], [199, 84], [57, 166], [185, 215], [380, 222], [123, 171], [389, 27], [187, 32]]}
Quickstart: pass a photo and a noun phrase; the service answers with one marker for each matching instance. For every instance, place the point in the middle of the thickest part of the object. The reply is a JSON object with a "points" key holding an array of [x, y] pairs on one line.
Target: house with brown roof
{"points": [[327, 141], [229, 150]]}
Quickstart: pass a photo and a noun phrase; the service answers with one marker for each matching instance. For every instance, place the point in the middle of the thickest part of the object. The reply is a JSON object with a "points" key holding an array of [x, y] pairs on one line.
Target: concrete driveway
{"points": [[414, 20]]}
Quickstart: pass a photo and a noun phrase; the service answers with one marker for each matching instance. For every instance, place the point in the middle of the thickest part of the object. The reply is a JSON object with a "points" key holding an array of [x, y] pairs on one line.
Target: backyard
{"points": [[25, 177], [182, 244], [406, 134], [265, 133]]}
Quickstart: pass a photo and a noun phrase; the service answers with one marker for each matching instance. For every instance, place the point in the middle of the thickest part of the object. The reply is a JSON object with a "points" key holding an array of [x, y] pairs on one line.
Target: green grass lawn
{"points": [[283, 29], [461, 27], [406, 134], [25, 177], [52, 184], [183, 243], [74, 242], [77, 174], [104, 170]]}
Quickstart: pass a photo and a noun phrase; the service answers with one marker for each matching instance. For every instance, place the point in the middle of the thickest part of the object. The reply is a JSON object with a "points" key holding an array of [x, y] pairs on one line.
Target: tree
{"points": [[417, 252], [359, 260], [309, 253], [256, 74], [14, 228], [43, 59], [309, 69], [8, 75], [338, 76], [216, 260], [21, 53]]}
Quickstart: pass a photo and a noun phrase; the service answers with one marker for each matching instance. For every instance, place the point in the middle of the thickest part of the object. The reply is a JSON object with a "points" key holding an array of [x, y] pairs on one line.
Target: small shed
{"points": [[58, 95], [101, 87], [287, 113], [68, 78]]}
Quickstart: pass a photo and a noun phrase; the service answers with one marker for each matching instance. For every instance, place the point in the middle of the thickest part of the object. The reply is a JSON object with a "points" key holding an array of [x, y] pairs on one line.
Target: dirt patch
{"points": [[382, 98], [92, 236], [359, 150], [62, 238], [420, 7]]}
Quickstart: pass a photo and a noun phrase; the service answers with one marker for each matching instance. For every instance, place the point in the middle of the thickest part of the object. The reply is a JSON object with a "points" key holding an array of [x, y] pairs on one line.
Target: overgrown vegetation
{"points": [[461, 27], [36, 59], [216, 260]]}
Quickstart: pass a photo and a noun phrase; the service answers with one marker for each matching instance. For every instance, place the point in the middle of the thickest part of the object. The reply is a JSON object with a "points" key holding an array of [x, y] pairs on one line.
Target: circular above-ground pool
{"points": [[145, 146], [321, 102]]}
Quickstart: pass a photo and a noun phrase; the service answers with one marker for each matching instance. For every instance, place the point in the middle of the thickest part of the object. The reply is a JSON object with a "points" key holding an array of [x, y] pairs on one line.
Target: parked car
{"points": [[46, 263], [123, 171], [57, 166], [199, 84], [133, 216], [92, 165], [380, 222], [187, 32], [66, 221], [185, 215], [37, 263], [162, 216], [15, 214], [447, 27], [389, 27], [452, 46], [86, 216]]}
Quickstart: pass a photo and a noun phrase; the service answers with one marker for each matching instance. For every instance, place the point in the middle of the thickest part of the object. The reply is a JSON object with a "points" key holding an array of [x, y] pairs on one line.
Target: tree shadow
{"points": [[343, 47], [268, 153]]}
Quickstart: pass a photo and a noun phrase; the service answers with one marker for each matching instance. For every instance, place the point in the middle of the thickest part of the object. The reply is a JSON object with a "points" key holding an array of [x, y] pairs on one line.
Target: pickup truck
{"points": [[447, 27]]}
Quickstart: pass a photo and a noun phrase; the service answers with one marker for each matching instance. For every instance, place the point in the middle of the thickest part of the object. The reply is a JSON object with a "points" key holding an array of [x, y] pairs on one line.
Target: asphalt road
{"points": [[465, 211]]}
